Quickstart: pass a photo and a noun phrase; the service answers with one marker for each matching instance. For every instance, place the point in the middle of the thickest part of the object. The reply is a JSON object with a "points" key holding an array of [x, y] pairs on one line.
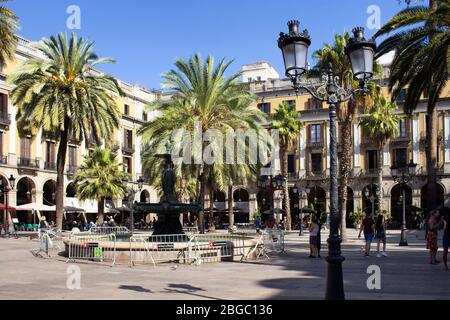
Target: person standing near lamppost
{"points": [[404, 176], [294, 47]]}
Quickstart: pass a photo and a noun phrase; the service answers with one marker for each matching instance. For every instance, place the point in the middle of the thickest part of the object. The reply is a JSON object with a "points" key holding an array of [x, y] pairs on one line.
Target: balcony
{"points": [[74, 141], [316, 175], [28, 163], [405, 139], [114, 147], [315, 144], [72, 169], [5, 119], [293, 176], [3, 160], [92, 144], [51, 166], [369, 173], [128, 148]]}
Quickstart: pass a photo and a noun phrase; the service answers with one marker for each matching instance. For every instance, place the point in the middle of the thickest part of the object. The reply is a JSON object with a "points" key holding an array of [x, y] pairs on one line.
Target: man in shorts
{"points": [[368, 226]]}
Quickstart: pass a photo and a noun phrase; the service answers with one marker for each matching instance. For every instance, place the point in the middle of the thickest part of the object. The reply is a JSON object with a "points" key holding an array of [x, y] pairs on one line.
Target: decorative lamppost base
{"points": [[403, 241]]}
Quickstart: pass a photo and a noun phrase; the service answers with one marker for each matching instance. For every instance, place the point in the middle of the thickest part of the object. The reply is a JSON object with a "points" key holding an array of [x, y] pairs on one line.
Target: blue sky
{"points": [[145, 37]]}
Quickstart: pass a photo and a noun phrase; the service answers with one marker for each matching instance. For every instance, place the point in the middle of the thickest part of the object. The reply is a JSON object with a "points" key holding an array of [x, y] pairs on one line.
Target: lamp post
{"points": [[370, 196], [299, 192], [294, 47], [403, 176], [131, 194], [7, 187]]}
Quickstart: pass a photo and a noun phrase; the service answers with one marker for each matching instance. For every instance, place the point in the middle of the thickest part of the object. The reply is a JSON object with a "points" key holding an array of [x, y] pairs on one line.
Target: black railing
{"points": [[28, 163], [315, 144], [71, 169], [3, 160], [50, 166], [5, 119], [128, 148]]}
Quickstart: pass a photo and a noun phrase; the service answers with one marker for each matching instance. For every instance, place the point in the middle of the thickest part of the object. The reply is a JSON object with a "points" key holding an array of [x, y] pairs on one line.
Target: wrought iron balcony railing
{"points": [[28, 163], [5, 119], [50, 166], [127, 148], [3, 160], [71, 169], [315, 144]]}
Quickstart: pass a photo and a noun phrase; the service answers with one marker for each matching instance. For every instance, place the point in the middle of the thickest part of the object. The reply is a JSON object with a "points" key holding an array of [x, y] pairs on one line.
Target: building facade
{"points": [[32, 160]]}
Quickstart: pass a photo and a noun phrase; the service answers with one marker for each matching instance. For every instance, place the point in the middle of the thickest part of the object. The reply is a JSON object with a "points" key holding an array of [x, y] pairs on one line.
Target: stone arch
{"points": [[3, 182], [440, 198], [145, 196], [397, 203], [367, 205], [317, 198], [49, 193], [220, 196], [241, 195], [26, 190], [71, 191]]}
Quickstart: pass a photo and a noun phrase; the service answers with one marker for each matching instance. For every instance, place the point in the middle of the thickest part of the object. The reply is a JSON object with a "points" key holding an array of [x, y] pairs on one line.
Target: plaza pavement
{"points": [[405, 274]]}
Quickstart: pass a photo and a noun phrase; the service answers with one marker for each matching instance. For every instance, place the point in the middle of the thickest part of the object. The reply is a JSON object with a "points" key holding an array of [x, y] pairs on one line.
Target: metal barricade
{"points": [[190, 230], [117, 231], [97, 248], [159, 249], [216, 248], [273, 241]]}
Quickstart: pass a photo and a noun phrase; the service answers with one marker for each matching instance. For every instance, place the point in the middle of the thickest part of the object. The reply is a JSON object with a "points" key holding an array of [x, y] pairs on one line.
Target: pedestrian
{"points": [[446, 239], [43, 226], [380, 229], [313, 238], [432, 236], [368, 226], [258, 224]]}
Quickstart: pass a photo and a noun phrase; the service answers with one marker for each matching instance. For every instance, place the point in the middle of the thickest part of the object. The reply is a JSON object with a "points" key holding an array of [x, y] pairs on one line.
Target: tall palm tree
{"points": [[100, 177], [421, 64], [8, 24], [62, 94], [285, 120], [381, 124], [204, 100], [335, 55]]}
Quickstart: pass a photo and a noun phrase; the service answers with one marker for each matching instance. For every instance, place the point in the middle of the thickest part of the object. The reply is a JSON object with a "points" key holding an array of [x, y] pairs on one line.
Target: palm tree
{"points": [[334, 55], [381, 124], [99, 177], [62, 94], [421, 64], [204, 100], [285, 120], [8, 40]]}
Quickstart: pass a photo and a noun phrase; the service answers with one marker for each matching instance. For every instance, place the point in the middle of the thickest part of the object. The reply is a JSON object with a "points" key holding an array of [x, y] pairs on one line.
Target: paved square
{"points": [[405, 274]]}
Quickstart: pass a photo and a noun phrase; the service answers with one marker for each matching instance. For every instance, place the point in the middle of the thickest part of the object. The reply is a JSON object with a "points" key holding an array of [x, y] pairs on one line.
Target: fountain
{"points": [[169, 209]]}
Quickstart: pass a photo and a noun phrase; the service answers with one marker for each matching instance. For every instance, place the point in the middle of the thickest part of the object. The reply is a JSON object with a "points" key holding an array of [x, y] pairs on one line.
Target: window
{"points": [[313, 104], [264, 107], [25, 148], [401, 158], [1, 143], [403, 128], [372, 159], [316, 133], [258, 79], [50, 152], [3, 104], [73, 155], [250, 79], [128, 138], [126, 110], [290, 103], [144, 117], [128, 168], [401, 96], [291, 163], [316, 162]]}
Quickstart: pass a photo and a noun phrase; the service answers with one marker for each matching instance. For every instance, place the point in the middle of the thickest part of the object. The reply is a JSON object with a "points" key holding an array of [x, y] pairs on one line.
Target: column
{"points": [[357, 196], [252, 206], [120, 142], [12, 159], [302, 148], [447, 142], [39, 154], [416, 138], [137, 157], [357, 147]]}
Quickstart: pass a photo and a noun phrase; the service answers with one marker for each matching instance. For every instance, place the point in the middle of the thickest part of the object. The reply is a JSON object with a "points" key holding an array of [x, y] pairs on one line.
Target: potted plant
{"points": [[357, 218]]}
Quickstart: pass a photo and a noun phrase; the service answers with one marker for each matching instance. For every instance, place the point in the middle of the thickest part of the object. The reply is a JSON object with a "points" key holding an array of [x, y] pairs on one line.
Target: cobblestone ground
{"points": [[405, 274]]}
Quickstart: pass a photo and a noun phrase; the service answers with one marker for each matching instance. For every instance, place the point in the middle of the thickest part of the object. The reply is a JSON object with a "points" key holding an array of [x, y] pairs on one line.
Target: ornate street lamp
{"points": [[403, 176], [294, 47], [131, 194], [371, 197], [300, 194], [7, 187]]}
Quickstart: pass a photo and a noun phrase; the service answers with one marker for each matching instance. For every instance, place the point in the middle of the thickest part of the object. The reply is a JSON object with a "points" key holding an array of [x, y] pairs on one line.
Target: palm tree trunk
{"points": [[287, 200], [380, 178], [230, 207], [60, 166], [432, 159], [201, 214], [101, 211], [211, 223], [345, 170]]}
